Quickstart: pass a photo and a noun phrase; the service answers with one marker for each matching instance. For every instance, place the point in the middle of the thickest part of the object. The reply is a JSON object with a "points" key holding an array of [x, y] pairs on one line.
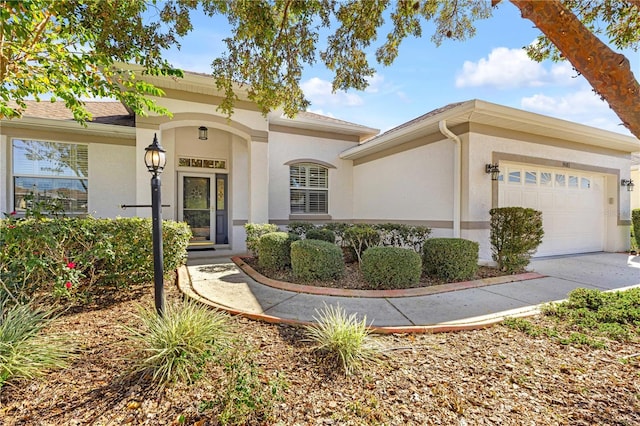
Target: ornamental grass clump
{"points": [[25, 351], [345, 339], [177, 346]]}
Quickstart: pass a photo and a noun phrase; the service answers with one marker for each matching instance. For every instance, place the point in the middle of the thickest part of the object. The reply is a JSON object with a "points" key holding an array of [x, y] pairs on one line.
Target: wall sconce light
{"points": [[203, 133], [628, 183], [493, 170]]}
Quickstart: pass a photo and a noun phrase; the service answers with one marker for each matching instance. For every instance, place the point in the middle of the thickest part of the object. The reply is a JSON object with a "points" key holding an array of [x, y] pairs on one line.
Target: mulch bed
{"points": [[495, 376], [354, 280]]}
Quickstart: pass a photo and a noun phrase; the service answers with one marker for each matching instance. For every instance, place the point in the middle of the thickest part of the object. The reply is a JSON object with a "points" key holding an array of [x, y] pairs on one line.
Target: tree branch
{"points": [[608, 72]]}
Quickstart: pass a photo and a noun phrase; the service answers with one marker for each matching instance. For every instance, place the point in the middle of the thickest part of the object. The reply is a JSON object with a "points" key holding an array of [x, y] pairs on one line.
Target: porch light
{"points": [[493, 170], [155, 160], [203, 133], [628, 183], [154, 157]]}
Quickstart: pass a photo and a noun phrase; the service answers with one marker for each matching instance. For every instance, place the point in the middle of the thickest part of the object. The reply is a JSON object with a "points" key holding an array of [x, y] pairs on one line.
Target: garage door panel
{"points": [[572, 205]]}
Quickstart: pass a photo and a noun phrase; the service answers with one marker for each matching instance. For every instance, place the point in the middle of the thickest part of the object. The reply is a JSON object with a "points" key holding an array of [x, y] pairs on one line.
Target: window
{"points": [[309, 191], [531, 178], [585, 183], [561, 180], [50, 172], [573, 181], [545, 179], [514, 176]]}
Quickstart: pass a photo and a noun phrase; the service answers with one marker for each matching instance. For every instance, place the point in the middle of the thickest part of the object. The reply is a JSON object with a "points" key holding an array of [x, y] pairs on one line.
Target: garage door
{"points": [[572, 205]]}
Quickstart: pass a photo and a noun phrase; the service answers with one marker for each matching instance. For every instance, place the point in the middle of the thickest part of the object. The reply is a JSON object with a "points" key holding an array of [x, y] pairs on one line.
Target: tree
{"points": [[74, 49], [272, 41]]}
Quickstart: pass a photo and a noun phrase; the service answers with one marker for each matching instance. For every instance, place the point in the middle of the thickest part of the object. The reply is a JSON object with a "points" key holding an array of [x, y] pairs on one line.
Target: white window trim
{"points": [[13, 175], [306, 163]]}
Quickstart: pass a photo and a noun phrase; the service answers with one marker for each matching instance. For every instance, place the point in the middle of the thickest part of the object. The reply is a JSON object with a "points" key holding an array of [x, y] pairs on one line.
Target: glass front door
{"points": [[196, 206], [203, 204]]}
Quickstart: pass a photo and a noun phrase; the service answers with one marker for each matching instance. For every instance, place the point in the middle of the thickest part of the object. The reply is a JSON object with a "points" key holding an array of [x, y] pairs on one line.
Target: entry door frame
{"points": [[216, 217]]}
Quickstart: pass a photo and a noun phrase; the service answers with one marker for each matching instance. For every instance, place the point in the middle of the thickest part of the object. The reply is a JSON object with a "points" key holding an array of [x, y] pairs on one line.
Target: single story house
{"points": [[435, 170]]}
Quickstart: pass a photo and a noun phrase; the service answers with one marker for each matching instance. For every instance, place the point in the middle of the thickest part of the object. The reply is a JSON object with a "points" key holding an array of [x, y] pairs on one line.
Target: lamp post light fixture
{"points": [[203, 133], [493, 169], [628, 183], [155, 160]]}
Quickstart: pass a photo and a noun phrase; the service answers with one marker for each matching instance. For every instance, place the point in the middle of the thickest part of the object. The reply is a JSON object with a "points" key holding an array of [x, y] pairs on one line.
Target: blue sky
{"points": [[491, 66]]}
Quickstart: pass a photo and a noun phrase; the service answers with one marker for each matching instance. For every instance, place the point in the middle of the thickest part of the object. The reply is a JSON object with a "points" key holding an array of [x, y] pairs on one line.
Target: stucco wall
{"points": [[112, 174], [112, 171], [285, 147], [413, 185], [635, 194]]}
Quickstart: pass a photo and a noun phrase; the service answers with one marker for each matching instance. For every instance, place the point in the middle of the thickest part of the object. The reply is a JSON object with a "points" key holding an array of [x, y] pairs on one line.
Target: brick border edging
{"points": [[410, 292], [183, 281]]}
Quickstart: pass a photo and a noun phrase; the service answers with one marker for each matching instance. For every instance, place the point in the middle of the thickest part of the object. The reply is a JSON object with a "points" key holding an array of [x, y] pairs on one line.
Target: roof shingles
{"points": [[103, 112]]}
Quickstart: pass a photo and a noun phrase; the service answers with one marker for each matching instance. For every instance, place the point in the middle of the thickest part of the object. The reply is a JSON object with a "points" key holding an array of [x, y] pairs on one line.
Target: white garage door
{"points": [[572, 205]]}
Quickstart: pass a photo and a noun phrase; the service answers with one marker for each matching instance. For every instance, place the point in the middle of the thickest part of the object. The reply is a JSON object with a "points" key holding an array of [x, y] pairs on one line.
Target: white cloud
{"points": [[319, 92], [583, 106], [375, 83], [403, 97], [511, 68]]}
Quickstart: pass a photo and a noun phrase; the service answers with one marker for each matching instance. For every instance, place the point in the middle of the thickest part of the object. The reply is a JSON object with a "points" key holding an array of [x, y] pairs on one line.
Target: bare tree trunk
{"points": [[608, 72]]}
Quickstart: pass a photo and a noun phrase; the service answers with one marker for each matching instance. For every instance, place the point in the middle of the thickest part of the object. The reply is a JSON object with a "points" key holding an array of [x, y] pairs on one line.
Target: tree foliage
{"points": [[273, 40], [72, 50]]}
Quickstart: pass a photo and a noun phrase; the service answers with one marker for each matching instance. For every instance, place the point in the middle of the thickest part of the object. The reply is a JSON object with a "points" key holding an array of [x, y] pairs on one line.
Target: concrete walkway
{"points": [[221, 283]]}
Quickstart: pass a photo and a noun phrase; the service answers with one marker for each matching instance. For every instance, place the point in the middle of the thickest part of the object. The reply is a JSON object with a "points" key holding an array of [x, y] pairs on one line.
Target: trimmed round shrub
{"points": [[321, 234], [391, 267], [316, 260], [274, 250], [452, 259], [516, 233]]}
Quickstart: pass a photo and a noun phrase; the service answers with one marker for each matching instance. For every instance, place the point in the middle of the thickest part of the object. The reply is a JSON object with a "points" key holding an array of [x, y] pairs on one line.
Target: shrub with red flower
{"points": [[68, 281]]}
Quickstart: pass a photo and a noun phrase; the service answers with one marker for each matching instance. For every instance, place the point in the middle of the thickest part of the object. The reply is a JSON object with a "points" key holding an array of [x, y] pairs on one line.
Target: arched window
{"points": [[309, 193]]}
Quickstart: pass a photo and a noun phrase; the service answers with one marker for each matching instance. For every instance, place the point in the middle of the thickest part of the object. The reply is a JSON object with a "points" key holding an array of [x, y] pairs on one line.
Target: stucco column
{"points": [[258, 182]]}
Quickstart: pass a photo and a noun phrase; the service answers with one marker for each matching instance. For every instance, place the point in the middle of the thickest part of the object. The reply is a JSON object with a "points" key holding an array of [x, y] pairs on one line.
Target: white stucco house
{"points": [[432, 170]]}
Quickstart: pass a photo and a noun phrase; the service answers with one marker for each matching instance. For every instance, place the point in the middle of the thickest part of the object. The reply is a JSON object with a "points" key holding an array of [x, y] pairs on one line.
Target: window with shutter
{"points": [[309, 188]]}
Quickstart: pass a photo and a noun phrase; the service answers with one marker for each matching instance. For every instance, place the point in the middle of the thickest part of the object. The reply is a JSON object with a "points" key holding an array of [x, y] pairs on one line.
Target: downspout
{"points": [[457, 167]]}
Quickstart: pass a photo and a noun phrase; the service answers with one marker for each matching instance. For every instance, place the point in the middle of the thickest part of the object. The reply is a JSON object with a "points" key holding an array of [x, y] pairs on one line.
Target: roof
{"points": [[311, 120], [103, 112], [500, 116]]}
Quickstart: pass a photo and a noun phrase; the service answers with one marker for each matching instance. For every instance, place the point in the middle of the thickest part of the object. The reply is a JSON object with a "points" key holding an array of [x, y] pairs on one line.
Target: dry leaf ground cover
{"points": [[495, 376]]}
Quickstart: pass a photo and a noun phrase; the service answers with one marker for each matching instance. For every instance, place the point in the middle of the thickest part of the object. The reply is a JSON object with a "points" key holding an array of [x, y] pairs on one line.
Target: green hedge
{"points": [[635, 227], [274, 250], [253, 233], [316, 260], [392, 267], [451, 259], [300, 228], [321, 234], [516, 233], [400, 235], [35, 253]]}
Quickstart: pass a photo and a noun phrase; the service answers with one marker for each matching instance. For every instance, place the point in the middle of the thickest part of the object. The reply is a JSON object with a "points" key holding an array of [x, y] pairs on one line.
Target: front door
{"points": [[202, 203]]}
